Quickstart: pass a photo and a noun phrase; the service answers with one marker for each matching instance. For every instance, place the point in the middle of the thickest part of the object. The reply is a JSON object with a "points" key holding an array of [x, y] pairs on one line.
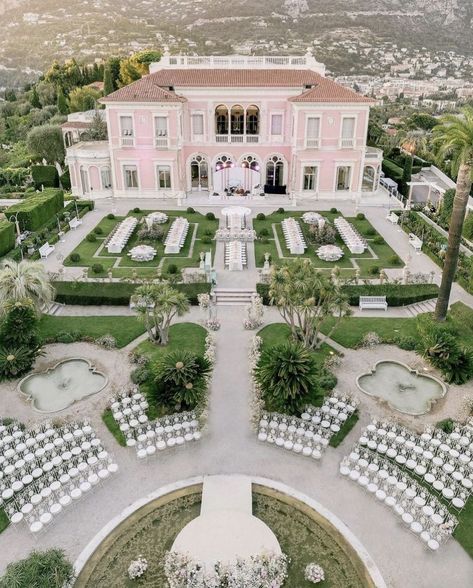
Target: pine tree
{"points": [[35, 102], [107, 80], [61, 102]]}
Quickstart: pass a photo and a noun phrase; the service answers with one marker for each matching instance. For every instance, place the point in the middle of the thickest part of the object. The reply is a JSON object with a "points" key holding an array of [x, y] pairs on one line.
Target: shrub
{"points": [[407, 343], [91, 237], [137, 210], [108, 341], [210, 216], [374, 270], [110, 216], [261, 216], [74, 257], [280, 211], [97, 268], [19, 327], [360, 216], [322, 235], [7, 236], [45, 175], [206, 240], [288, 377], [394, 260], [468, 226], [40, 569], [190, 210], [264, 232], [172, 269], [396, 294], [155, 233], [392, 170], [37, 210], [378, 240], [68, 337], [140, 375], [98, 230], [65, 180], [15, 362], [370, 232], [447, 425], [180, 378], [208, 233], [333, 210]]}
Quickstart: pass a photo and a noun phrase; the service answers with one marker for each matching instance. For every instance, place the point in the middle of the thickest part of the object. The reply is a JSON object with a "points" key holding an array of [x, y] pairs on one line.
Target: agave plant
{"points": [[15, 362]]}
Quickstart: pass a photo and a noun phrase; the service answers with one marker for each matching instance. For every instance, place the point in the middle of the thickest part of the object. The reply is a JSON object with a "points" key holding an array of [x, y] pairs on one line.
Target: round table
{"points": [[428, 510], [329, 253], [142, 253], [407, 518], [437, 519]]}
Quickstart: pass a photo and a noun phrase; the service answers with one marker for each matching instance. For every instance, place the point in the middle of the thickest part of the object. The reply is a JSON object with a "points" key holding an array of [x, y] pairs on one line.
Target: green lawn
{"points": [[121, 264], [124, 328], [385, 256], [4, 521], [113, 426]]}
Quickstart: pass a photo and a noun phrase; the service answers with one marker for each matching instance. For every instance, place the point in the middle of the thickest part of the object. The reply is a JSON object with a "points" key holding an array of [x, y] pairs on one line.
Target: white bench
{"points": [[373, 302], [415, 242], [393, 218], [45, 250], [75, 222]]}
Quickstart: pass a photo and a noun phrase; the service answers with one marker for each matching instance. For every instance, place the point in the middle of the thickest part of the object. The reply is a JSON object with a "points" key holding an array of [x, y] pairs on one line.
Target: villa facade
{"points": [[229, 125]]}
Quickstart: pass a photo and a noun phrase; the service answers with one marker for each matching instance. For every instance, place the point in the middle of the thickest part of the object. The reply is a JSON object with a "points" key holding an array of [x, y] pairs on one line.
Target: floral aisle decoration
{"points": [[256, 399], [203, 300], [314, 573], [260, 571], [210, 355], [213, 324], [137, 568], [254, 311]]}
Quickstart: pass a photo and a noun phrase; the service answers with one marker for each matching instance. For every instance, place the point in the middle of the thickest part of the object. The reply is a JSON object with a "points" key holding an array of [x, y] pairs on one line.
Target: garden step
{"points": [[234, 296], [421, 307], [55, 308]]}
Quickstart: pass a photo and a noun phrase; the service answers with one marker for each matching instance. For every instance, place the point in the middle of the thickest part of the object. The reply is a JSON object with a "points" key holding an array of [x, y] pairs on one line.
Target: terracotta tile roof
{"points": [[75, 124], [144, 90], [155, 87], [329, 91]]}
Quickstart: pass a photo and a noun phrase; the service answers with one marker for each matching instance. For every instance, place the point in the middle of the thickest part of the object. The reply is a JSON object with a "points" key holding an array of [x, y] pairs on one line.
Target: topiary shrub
{"points": [[91, 237], [172, 269], [374, 270], [360, 216], [210, 216], [7, 236], [370, 232], [280, 211], [140, 375], [97, 268], [110, 216], [137, 210], [394, 260], [261, 216], [39, 209], [333, 210], [74, 257], [208, 233], [45, 175], [190, 210], [264, 232], [98, 231], [206, 240], [378, 240], [68, 336]]}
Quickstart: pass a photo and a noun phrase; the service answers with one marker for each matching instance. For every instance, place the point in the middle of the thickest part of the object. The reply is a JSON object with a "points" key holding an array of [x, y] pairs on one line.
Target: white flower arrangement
{"points": [[210, 348], [255, 311], [213, 324], [203, 300], [314, 573], [137, 568], [260, 571], [256, 398]]}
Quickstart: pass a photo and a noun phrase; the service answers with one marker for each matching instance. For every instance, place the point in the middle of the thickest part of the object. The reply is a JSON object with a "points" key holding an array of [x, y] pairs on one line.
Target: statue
{"points": [[266, 262], [202, 262]]}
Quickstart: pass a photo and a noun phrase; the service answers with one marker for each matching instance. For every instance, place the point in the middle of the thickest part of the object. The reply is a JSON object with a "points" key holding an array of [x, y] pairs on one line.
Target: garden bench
{"points": [[393, 218], [75, 222], [415, 242], [373, 302], [45, 250]]}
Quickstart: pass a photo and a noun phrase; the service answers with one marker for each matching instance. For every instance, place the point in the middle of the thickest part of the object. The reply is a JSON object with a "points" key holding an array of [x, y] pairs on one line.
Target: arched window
{"points": [[199, 173], [275, 171], [252, 120], [221, 120], [369, 179], [237, 120], [222, 162], [68, 139], [250, 162]]}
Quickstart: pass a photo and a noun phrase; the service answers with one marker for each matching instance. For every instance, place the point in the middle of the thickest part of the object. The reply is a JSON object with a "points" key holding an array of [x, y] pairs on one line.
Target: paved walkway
{"points": [[229, 446]]}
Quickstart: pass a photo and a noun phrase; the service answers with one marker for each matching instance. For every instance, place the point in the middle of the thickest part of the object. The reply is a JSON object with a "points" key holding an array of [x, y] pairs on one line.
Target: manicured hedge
{"points": [[45, 175], [392, 170], [113, 293], [7, 236], [396, 294], [37, 210]]}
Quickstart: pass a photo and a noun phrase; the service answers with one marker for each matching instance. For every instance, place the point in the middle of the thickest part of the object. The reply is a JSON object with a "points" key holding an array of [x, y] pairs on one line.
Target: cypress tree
{"points": [[61, 102], [107, 80], [35, 102]]}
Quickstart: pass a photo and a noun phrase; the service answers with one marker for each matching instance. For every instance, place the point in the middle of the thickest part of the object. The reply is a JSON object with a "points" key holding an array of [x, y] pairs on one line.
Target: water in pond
{"points": [[59, 387], [403, 388]]}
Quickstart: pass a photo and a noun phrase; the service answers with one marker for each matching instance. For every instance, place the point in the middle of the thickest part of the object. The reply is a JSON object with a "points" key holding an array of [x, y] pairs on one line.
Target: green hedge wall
{"points": [[113, 293], [396, 294], [45, 175], [7, 236], [37, 210], [392, 170]]}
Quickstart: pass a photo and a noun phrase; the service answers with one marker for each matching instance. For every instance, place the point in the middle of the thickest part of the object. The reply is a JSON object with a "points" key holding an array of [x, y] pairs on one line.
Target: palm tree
{"points": [[24, 280], [454, 138], [157, 305]]}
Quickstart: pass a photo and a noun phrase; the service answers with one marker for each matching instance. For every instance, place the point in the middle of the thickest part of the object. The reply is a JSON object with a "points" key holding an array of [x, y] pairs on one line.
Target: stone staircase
{"points": [[233, 296], [55, 308], [421, 307]]}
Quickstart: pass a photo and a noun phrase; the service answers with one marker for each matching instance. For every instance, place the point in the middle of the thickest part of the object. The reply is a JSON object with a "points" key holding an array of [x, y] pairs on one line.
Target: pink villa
{"points": [[228, 125]]}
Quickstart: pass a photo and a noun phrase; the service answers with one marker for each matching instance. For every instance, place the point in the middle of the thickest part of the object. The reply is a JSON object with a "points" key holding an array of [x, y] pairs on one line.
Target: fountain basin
{"points": [[63, 384], [404, 389]]}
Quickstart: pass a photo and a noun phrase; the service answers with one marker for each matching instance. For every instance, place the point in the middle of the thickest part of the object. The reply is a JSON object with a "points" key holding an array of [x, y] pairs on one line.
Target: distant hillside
{"points": [[34, 32]]}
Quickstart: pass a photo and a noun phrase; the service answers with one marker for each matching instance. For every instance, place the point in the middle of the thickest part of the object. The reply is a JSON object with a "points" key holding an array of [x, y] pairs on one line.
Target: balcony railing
{"points": [[127, 141], [161, 142], [237, 138], [312, 143], [347, 143]]}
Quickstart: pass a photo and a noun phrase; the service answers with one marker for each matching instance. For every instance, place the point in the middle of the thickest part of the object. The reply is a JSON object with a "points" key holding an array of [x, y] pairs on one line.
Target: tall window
{"points": [[130, 173], [252, 120], [161, 126], [84, 180], [310, 177], [312, 131], [369, 179], [275, 171], [276, 124], [106, 178], [221, 120], [348, 131], [164, 176], [126, 126], [237, 120], [197, 124], [343, 177], [199, 173]]}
